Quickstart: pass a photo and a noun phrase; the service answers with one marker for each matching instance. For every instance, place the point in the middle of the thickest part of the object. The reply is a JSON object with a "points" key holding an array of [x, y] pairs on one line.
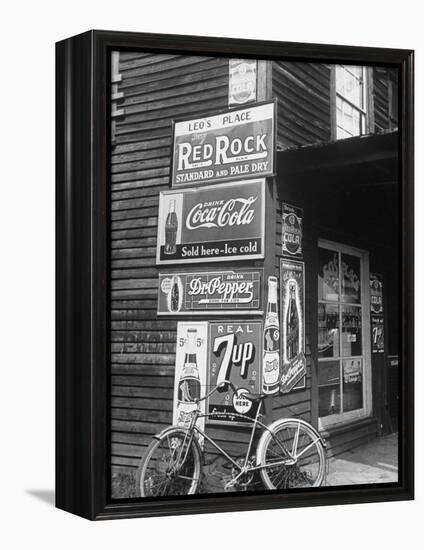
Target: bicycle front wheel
{"points": [[292, 456], [171, 466]]}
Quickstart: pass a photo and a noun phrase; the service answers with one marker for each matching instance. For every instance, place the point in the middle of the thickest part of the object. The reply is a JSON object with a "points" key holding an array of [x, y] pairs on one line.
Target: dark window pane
{"points": [[351, 331], [328, 275], [351, 279], [328, 330], [328, 388], [352, 384]]}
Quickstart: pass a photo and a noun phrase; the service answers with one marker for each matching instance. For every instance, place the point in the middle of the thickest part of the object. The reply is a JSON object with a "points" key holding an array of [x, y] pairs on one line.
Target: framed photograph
{"points": [[234, 275]]}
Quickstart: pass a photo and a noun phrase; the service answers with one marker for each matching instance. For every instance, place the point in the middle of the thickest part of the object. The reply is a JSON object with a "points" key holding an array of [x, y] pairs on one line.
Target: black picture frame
{"points": [[82, 281]]}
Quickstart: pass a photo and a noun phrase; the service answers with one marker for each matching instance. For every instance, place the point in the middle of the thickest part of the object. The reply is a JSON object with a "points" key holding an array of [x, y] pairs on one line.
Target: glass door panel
{"points": [[340, 332], [351, 331]]}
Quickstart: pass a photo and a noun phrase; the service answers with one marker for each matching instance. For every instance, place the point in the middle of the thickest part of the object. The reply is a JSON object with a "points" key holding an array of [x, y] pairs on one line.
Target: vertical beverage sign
{"points": [[232, 145], [271, 354], [235, 354], [195, 225], [242, 81], [291, 236], [377, 318], [213, 292], [292, 283], [190, 371]]}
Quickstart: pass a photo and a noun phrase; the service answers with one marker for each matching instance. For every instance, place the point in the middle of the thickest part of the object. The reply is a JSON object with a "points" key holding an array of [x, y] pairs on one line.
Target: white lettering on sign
{"points": [[235, 354], [225, 151], [232, 212], [217, 286]]}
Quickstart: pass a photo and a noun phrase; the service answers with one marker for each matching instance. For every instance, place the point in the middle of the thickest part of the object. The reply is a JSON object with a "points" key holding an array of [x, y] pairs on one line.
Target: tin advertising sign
{"points": [[213, 223], [292, 288], [236, 144], [377, 317], [235, 353], [190, 371], [242, 81], [212, 292], [291, 235]]}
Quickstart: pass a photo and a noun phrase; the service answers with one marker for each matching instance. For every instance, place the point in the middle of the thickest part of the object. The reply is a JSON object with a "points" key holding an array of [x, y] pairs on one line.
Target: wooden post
{"points": [[264, 92]]}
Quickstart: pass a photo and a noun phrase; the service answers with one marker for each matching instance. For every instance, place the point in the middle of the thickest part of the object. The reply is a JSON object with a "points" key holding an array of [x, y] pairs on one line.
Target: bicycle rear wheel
{"points": [[171, 466], [293, 456]]}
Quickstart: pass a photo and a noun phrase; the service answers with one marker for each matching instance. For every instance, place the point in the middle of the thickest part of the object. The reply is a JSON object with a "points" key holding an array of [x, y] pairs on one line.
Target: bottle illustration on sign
{"points": [[292, 324], [171, 228], [271, 357], [175, 295], [189, 383]]}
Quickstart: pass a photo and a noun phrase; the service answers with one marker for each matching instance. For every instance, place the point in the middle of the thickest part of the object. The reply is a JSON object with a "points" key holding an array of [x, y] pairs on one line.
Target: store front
{"points": [[339, 180], [350, 233]]}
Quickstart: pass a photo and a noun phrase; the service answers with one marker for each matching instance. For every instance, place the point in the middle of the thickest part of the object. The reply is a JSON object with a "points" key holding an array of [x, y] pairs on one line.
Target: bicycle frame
{"points": [[245, 467]]}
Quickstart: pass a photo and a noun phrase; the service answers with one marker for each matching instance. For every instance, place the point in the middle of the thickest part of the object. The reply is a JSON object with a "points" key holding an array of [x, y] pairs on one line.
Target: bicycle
{"points": [[290, 454]]}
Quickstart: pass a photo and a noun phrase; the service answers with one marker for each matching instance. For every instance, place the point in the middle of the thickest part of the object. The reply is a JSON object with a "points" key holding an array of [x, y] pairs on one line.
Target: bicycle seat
{"points": [[254, 396]]}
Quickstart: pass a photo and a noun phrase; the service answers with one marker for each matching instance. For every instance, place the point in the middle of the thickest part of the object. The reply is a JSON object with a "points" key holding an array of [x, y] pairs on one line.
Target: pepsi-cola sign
{"points": [[214, 223], [232, 145]]}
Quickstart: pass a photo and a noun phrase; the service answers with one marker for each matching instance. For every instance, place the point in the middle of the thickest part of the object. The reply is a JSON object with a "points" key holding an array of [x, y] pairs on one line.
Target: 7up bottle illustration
{"points": [[271, 357], [189, 382]]}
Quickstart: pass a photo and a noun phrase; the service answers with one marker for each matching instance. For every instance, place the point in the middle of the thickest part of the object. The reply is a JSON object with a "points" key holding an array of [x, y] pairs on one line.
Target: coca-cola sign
{"points": [[292, 289], [235, 354], [217, 293], [212, 223], [232, 145]]}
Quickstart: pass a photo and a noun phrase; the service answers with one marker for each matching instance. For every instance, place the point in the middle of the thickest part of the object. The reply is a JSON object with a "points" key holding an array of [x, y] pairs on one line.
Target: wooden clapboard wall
{"points": [[303, 94], [385, 99], [155, 89]]}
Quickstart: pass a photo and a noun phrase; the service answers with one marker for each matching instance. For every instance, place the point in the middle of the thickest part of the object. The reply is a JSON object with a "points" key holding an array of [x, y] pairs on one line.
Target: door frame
{"points": [[366, 411]]}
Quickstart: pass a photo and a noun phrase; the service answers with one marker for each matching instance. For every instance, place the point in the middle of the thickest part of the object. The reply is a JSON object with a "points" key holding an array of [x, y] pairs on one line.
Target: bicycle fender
{"points": [[275, 425], [170, 429]]}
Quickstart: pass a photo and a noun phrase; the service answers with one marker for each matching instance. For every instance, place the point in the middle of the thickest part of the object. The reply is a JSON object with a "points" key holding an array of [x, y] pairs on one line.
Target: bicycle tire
{"points": [[277, 444], [144, 479]]}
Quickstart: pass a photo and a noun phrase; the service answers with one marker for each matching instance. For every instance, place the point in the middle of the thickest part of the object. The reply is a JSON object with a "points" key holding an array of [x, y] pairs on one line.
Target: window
{"points": [[351, 101], [343, 334]]}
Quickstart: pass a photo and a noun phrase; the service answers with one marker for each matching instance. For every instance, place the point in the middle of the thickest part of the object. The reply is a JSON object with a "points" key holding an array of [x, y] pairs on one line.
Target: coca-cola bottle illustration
{"points": [[189, 382], [271, 357], [171, 228], [292, 324]]}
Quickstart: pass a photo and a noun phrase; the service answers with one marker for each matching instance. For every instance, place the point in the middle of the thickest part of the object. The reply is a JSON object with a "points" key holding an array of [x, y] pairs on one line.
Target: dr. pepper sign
{"points": [[212, 223], [236, 144]]}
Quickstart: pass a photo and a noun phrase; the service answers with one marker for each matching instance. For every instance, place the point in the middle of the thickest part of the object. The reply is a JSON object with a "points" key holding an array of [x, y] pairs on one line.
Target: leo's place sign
{"points": [[224, 146]]}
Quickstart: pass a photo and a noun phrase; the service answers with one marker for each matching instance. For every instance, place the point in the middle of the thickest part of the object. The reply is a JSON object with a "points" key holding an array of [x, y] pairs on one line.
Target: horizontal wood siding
{"points": [[303, 94], [385, 110], [157, 89]]}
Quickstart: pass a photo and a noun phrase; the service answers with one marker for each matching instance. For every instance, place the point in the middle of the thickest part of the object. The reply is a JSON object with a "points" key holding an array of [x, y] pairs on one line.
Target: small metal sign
{"points": [[212, 292], [292, 289], [235, 354], [377, 317], [190, 371], [213, 223], [242, 81], [292, 230], [233, 145]]}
